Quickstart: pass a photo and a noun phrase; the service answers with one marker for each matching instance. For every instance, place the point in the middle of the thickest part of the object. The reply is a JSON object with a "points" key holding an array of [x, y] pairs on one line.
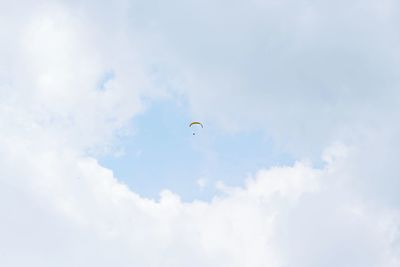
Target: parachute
{"points": [[196, 123]]}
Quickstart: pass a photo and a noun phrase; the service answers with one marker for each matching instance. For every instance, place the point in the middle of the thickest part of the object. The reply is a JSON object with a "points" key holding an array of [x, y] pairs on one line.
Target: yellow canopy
{"points": [[196, 122]]}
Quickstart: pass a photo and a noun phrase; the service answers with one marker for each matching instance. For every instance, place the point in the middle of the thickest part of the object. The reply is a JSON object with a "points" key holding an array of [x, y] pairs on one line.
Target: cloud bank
{"points": [[311, 74]]}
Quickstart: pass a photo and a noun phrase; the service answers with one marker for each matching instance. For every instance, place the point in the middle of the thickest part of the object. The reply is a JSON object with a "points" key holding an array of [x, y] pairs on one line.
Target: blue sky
{"points": [[161, 136]]}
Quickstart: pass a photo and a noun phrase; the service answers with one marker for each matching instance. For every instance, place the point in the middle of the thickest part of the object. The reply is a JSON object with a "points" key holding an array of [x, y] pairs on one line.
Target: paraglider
{"points": [[196, 123]]}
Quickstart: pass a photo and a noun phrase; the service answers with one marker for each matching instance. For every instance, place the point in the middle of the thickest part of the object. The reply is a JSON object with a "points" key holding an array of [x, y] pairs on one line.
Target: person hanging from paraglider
{"points": [[195, 123]]}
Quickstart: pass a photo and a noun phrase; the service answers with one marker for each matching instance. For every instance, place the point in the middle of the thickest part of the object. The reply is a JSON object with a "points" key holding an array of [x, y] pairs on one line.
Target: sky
{"points": [[296, 166]]}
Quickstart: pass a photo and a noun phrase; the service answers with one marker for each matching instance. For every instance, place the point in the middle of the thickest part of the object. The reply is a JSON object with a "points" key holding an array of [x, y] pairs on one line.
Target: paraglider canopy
{"points": [[196, 123]]}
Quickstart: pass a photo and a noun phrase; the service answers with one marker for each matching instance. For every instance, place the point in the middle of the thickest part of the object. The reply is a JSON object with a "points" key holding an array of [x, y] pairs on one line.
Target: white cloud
{"points": [[201, 183], [283, 216], [55, 59], [313, 71], [307, 72]]}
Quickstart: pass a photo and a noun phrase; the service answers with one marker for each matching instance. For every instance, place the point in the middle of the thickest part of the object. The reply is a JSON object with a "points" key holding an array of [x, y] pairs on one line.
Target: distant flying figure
{"points": [[196, 123]]}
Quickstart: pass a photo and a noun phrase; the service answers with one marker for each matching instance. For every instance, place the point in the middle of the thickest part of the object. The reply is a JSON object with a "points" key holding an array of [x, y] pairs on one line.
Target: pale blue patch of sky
{"points": [[104, 79], [164, 154]]}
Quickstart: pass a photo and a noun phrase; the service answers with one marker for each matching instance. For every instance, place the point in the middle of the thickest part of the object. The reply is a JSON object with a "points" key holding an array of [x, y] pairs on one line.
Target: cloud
{"points": [[283, 216], [311, 73], [307, 72], [201, 183], [55, 59]]}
